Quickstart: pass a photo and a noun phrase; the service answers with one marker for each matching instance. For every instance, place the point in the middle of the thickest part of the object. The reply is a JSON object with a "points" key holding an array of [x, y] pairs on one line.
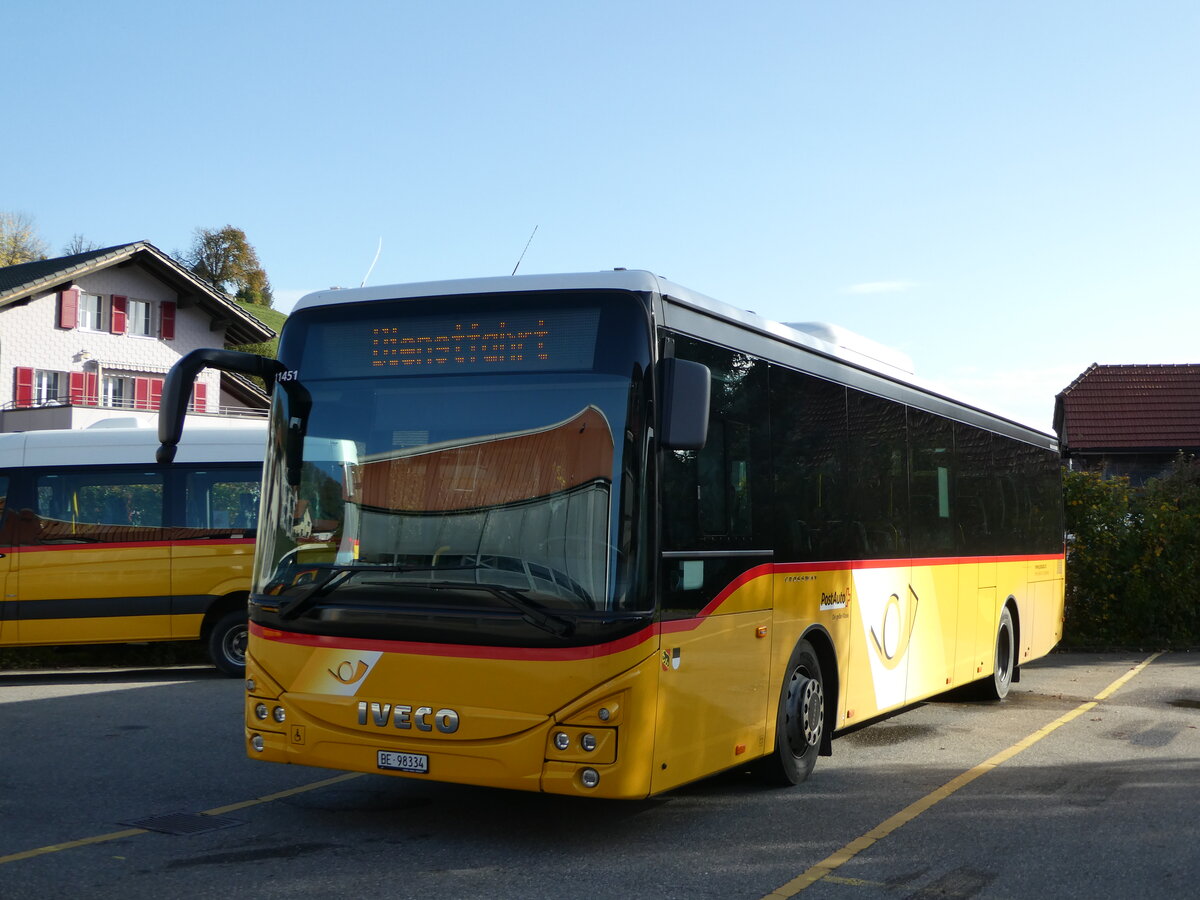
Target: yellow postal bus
{"points": [[101, 544], [600, 535]]}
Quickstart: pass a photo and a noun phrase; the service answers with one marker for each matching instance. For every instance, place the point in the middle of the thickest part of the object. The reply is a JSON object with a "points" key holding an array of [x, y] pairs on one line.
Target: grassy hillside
{"points": [[273, 319]]}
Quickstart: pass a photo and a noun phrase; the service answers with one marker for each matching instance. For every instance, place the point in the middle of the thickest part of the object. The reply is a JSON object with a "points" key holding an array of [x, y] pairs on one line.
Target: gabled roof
{"points": [[25, 280], [1130, 407]]}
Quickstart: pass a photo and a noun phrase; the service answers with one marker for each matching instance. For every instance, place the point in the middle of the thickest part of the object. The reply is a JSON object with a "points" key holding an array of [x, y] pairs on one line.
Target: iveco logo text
{"points": [[423, 718]]}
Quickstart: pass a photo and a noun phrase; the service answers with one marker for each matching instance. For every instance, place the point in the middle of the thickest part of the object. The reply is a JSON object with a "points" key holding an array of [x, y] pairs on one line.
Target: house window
{"points": [[91, 312], [118, 392], [48, 388], [138, 318]]}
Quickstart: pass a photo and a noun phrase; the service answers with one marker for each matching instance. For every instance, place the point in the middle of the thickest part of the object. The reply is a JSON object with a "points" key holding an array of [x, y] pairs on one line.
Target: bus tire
{"points": [[996, 687], [800, 723], [227, 642]]}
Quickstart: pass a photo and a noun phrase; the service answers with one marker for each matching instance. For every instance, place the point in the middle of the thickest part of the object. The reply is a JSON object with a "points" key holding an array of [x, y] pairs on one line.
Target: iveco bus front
{"points": [[455, 562]]}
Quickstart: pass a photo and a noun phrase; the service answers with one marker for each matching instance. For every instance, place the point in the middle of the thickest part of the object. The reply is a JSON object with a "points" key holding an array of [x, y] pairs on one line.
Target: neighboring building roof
{"points": [[27, 279], [1130, 407]]}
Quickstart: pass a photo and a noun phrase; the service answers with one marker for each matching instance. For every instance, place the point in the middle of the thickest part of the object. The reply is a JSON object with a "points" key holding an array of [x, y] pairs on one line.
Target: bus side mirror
{"points": [[684, 388], [177, 388]]}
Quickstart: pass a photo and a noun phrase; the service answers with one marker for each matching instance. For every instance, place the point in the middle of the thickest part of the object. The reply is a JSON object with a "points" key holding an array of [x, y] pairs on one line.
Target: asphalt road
{"points": [[1084, 783]]}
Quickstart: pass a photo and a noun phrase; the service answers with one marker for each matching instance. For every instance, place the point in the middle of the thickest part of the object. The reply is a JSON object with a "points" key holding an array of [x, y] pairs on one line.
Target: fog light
{"points": [[260, 711], [589, 777], [562, 740], [257, 742], [588, 742], [279, 714], [250, 685]]}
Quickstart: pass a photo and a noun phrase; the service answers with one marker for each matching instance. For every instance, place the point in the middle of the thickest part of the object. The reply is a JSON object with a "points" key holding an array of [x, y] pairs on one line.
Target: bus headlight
{"points": [[258, 743], [260, 711], [279, 714], [589, 778], [588, 742], [562, 740]]}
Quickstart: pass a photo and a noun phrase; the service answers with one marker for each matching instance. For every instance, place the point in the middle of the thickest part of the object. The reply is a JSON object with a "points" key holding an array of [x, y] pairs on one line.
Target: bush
{"points": [[1133, 577]]}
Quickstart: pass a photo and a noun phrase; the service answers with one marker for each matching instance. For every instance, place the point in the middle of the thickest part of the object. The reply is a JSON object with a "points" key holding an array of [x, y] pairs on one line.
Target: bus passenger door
{"points": [[98, 569]]}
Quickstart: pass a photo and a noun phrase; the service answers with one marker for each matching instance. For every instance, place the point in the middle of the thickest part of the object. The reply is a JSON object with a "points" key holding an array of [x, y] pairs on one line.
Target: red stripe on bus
{"points": [[459, 651], [127, 545]]}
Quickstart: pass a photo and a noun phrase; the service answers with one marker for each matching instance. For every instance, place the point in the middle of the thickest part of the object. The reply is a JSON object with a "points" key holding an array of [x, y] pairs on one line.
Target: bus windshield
{"points": [[458, 472]]}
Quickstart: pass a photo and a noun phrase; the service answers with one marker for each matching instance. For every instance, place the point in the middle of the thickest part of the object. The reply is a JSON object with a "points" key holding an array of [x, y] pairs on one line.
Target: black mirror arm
{"points": [[177, 388]]}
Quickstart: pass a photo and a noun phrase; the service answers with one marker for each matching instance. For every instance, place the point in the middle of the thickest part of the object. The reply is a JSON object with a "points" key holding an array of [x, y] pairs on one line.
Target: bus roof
{"points": [[825, 340], [106, 445]]}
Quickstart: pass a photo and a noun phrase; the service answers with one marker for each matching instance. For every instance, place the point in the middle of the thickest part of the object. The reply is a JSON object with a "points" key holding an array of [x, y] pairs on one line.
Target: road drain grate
{"points": [[183, 823]]}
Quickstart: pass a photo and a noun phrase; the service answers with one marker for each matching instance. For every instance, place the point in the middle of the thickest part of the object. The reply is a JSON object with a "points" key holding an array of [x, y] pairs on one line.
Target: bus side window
{"points": [[219, 501], [714, 499], [100, 506]]}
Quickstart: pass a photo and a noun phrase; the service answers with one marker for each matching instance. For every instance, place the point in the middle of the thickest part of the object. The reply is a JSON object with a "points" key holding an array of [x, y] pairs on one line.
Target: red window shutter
{"points": [[68, 308], [118, 315], [24, 394], [91, 389], [78, 388], [167, 316], [141, 393], [156, 386], [200, 397]]}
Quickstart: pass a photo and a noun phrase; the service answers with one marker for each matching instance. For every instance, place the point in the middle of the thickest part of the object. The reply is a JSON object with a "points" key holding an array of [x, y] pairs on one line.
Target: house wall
{"points": [[30, 335]]}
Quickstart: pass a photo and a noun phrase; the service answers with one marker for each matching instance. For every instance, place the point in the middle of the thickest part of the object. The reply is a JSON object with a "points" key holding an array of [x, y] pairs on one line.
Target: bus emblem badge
{"points": [[348, 672], [670, 659]]}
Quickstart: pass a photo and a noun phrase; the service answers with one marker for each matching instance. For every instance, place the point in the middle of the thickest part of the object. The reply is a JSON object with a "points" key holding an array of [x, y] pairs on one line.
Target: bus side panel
{"points": [[78, 594], [1042, 614], [884, 609], [8, 583], [809, 594], [713, 693], [203, 572], [936, 599]]}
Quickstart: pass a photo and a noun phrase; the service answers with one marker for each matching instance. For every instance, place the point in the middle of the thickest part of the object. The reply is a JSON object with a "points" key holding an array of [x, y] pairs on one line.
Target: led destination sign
{"points": [[545, 340]]}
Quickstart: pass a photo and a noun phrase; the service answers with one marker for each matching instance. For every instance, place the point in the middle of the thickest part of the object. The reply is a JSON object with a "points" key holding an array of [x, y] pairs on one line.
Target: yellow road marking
{"points": [[131, 832], [831, 863]]}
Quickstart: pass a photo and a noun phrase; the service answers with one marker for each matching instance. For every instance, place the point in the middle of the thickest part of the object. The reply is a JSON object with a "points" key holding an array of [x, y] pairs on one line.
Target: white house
{"points": [[87, 336]]}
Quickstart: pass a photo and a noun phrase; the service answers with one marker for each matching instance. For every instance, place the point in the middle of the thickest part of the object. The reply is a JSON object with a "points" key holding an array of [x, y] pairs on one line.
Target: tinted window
{"points": [[878, 476], [98, 506], [808, 434]]}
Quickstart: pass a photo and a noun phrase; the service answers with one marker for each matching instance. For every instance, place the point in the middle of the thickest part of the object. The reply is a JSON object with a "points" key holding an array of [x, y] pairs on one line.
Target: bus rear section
{"points": [[104, 545]]}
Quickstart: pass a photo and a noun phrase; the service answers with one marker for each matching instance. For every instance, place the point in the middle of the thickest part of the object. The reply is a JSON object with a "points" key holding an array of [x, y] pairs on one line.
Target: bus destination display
{"points": [[546, 340]]}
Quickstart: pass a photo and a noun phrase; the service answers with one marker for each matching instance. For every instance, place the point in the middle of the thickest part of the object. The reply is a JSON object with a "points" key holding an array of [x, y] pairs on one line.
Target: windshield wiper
{"points": [[338, 575], [533, 613]]}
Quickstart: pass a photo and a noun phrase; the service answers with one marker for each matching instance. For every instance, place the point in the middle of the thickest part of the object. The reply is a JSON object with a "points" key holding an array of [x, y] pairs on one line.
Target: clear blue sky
{"points": [[1006, 191]]}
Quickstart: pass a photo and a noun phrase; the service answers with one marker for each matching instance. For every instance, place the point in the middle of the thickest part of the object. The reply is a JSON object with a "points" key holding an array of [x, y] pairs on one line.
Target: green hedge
{"points": [[1133, 560]]}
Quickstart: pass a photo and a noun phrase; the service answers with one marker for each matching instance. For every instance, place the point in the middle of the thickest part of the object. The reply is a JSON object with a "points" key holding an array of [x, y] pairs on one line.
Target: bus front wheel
{"points": [[227, 642], [800, 723]]}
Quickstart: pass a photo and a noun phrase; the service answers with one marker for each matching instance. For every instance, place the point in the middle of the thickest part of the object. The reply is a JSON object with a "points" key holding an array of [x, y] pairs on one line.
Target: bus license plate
{"points": [[404, 762]]}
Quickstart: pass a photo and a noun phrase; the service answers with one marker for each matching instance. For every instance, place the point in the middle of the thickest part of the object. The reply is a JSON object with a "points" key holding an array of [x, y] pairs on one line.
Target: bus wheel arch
{"points": [[225, 631], [803, 722]]}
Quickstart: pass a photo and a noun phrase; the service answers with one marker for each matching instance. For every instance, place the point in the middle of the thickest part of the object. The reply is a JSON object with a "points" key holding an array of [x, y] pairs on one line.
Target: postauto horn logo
{"points": [[890, 636]]}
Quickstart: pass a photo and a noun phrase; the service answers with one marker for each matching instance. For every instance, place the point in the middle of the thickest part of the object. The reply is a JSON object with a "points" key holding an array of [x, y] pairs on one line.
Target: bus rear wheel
{"points": [[996, 687], [227, 642], [800, 723]]}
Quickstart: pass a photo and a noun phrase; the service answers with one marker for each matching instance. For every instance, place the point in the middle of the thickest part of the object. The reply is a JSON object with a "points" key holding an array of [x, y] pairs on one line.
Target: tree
{"points": [[79, 244], [227, 261], [19, 240]]}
